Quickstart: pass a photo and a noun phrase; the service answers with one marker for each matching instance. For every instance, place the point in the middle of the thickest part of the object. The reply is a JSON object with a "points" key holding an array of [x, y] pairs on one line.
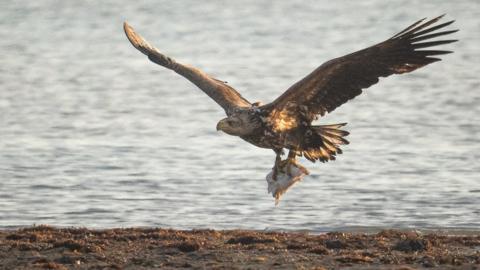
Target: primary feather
{"points": [[341, 79]]}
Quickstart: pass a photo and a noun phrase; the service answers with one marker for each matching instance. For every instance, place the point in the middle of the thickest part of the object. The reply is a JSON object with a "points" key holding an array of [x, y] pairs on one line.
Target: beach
{"points": [[110, 161], [45, 247]]}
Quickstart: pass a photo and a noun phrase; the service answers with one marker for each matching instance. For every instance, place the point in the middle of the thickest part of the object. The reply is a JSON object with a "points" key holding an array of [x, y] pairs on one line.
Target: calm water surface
{"points": [[92, 134]]}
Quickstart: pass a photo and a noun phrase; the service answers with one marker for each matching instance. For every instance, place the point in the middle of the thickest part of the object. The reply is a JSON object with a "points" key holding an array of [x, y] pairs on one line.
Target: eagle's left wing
{"points": [[222, 93], [341, 79]]}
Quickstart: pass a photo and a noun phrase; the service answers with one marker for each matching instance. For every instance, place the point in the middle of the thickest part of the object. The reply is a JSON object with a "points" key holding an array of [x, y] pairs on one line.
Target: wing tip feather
{"points": [[415, 29], [136, 40]]}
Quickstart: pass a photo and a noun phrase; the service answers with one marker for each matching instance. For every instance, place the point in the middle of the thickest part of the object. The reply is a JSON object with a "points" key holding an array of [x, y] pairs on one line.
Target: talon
{"points": [[303, 169]]}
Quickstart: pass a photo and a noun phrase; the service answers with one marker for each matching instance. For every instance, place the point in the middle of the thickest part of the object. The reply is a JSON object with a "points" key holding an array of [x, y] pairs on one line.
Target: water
{"points": [[92, 134]]}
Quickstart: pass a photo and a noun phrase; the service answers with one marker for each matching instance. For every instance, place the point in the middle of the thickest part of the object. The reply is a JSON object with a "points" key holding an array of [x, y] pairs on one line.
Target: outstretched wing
{"points": [[223, 94], [341, 79]]}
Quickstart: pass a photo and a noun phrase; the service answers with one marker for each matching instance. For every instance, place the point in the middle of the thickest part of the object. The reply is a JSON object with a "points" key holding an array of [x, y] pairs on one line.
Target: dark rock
{"points": [[188, 246], [412, 245], [69, 244], [336, 244], [65, 259], [428, 261], [296, 246], [248, 240]]}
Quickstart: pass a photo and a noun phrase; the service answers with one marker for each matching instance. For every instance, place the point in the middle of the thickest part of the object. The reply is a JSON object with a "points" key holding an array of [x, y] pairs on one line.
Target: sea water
{"points": [[93, 134]]}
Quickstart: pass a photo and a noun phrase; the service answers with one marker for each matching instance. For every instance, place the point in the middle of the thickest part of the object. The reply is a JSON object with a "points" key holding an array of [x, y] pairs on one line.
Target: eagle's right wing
{"points": [[223, 94], [341, 79]]}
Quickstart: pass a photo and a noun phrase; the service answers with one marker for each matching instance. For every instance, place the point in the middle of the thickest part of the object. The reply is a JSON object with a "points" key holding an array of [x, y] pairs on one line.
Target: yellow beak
{"points": [[221, 124]]}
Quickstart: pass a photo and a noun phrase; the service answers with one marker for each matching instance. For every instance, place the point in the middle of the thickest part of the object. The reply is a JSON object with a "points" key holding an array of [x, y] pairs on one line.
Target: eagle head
{"points": [[237, 125]]}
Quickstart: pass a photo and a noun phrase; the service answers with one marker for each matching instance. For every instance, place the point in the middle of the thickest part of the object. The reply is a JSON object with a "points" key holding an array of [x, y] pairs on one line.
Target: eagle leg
{"points": [[291, 160], [278, 162]]}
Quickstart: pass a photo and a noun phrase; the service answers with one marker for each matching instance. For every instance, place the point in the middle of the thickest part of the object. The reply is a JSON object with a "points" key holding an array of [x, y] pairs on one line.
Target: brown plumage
{"points": [[223, 94], [286, 123], [341, 79]]}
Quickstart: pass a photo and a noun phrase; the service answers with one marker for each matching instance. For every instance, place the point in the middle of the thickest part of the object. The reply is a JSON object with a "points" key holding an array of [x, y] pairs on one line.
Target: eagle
{"points": [[286, 122]]}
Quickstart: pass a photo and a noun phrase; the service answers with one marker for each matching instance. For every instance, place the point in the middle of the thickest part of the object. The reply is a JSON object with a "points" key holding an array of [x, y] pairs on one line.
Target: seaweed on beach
{"points": [[45, 247]]}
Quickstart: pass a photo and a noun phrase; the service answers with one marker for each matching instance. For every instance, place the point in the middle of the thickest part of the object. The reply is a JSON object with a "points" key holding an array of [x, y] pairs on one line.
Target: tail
{"points": [[323, 142]]}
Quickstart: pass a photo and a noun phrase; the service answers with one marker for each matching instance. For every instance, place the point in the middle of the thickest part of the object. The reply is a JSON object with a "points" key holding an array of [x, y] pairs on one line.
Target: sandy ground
{"points": [[45, 247]]}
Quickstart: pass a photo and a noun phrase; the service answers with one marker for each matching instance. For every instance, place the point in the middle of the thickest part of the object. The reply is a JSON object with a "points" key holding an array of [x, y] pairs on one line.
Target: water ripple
{"points": [[92, 134]]}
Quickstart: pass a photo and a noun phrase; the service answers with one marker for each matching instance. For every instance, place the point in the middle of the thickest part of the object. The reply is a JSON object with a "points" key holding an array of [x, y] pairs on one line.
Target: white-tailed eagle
{"points": [[286, 123]]}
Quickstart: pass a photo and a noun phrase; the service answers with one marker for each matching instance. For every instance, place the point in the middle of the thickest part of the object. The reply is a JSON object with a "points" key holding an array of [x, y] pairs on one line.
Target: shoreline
{"points": [[448, 231], [46, 247]]}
